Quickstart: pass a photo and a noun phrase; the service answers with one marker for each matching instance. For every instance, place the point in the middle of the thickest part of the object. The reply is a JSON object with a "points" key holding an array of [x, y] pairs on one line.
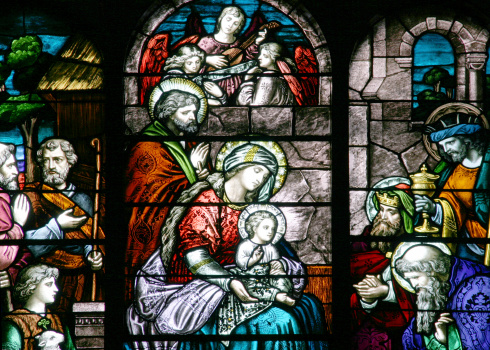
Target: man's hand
{"points": [[95, 260], [199, 156], [371, 288], [4, 279], [241, 292], [441, 327], [67, 221], [213, 89], [424, 204], [217, 61], [261, 36], [20, 209]]}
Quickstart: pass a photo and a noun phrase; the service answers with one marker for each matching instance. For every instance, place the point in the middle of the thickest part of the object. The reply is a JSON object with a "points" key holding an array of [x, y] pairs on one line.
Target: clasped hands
{"points": [[371, 288]]}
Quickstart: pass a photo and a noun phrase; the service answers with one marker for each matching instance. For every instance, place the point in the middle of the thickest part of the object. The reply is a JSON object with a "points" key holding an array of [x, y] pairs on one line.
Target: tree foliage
{"points": [[435, 76], [24, 52], [17, 109]]}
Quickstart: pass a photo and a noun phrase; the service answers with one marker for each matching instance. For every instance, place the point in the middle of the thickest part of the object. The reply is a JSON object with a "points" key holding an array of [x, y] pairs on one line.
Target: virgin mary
{"points": [[181, 286]]}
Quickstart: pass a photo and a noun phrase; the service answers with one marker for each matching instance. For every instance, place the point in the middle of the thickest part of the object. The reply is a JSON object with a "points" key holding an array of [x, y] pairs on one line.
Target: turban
{"points": [[254, 154], [406, 208], [461, 129]]}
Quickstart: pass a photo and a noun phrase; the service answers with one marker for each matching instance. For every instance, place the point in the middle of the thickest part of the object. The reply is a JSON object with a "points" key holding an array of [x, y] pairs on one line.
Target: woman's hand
{"points": [[277, 268], [441, 327], [241, 292], [217, 61]]}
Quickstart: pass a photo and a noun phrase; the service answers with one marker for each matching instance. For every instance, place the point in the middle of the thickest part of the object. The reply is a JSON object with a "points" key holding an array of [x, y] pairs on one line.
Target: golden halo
{"points": [[441, 111], [252, 208], [179, 84], [400, 251], [271, 146]]}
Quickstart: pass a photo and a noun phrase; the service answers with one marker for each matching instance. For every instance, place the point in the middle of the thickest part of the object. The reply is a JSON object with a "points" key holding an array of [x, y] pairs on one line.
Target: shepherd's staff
{"points": [[95, 221]]}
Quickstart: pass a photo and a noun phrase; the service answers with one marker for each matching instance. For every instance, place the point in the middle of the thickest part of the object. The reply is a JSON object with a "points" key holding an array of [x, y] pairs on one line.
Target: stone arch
{"points": [[159, 11]]}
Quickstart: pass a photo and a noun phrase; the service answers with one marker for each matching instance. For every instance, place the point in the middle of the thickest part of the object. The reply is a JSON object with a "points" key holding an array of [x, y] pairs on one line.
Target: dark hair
{"points": [[171, 101], [476, 141]]}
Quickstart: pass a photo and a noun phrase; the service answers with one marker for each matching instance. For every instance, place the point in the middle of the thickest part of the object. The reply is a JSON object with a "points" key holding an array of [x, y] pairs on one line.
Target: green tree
{"points": [[435, 76], [29, 63]]}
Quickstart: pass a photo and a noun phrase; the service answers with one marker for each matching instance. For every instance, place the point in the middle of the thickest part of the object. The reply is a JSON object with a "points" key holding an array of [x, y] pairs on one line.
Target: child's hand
{"points": [[257, 254]]}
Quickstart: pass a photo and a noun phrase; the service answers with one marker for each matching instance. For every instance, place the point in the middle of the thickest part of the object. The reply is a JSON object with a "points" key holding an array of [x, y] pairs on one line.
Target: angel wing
{"points": [[294, 84], [307, 64], [152, 62]]}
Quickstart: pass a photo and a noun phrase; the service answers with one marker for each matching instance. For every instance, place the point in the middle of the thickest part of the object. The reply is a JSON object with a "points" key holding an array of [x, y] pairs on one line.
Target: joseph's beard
{"points": [[190, 127], [9, 184], [383, 228], [56, 178], [432, 297]]}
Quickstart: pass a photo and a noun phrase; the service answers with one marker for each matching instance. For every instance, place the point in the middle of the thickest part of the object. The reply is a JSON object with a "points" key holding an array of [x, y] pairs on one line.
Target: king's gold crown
{"points": [[386, 199]]}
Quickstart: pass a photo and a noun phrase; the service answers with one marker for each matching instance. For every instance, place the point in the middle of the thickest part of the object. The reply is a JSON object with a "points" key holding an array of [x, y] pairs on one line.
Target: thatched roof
{"points": [[78, 68]]}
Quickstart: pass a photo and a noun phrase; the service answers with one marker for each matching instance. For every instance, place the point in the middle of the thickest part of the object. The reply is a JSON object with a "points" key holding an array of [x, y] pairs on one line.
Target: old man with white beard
{"points": [[61, 212], [453, 311]]}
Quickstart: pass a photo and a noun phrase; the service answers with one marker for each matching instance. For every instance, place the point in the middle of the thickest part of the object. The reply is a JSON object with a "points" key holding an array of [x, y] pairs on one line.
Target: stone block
{"points": [[456, 27], [396, 87], [310, 27], [294, 189], [358, 167], [395, 31], [414, 157], [136, 118], [133, 59], [379, 67], [319, 183], [89, 325], [363, 50], [408, 38], [379, 31], [325, 91], [393, 135], [358, 218], [384, 163], [312, 121], [370, 92], [131, 91], [379, 48], [359, 74], [431, 23], [358, 116], [465, 35], [376, 111], [225, 121], [483, 36], [397, 110], [156, 17], [419, 29], [298, 221], [285, 6], [324, 61], [393, 66], [444, 25], [272, 120], [475, 46], [405, 49], [354, 95], [307, 154]]}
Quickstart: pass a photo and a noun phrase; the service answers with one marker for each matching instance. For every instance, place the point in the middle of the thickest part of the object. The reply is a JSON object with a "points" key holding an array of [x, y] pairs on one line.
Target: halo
{"points": [[400, 251], [253, 208], [441, 111], [271, 146], [386, 183], [179, 84]]}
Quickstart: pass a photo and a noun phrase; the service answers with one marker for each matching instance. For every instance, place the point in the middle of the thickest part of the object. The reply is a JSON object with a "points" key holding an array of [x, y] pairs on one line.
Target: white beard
{"points": [[9, 184], [55, 179]]}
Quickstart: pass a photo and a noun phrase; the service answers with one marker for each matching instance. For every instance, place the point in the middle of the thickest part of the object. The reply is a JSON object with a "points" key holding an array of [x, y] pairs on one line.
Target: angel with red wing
{"points": [[274, 82]]}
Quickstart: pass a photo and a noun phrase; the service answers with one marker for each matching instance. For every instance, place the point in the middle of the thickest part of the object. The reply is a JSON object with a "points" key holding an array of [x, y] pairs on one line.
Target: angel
{"points": [[265, 85], [187, 62]]}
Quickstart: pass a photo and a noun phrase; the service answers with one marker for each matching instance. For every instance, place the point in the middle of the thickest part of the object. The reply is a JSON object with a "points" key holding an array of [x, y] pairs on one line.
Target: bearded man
{"points": [[159, 169], [452, 298], [60, 212], [12, 217], [378, 318], [462, 206]]}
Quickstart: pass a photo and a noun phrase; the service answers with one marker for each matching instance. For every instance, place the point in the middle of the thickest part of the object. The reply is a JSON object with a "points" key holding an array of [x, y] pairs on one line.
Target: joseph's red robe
{"points": [[155, 180]]}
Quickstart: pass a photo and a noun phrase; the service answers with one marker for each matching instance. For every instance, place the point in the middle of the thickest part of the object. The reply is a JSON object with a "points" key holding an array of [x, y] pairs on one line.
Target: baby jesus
{"points": [[258, 264]]}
